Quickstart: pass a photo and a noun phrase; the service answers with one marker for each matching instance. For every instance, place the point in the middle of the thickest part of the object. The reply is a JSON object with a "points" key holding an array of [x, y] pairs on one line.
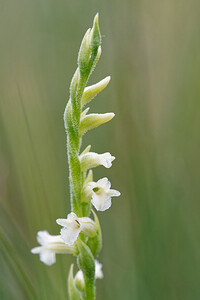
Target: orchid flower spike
{"points": [[101, 193], [84, 191], [73, 225], [50, 245]]}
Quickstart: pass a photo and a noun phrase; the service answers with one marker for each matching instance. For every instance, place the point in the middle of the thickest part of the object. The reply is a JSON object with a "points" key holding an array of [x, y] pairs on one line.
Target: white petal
{"points": [[43, 237], [104, 183], [72, 228], [114, 193], [36, 250], [72, 216], [62, 222], [79, 276], [106, 159], [98, 270], [48, 257], [70, 233], [101, 203]]}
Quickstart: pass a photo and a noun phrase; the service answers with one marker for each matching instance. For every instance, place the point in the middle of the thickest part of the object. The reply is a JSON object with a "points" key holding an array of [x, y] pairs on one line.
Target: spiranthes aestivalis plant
{"points": [[80, 234]]}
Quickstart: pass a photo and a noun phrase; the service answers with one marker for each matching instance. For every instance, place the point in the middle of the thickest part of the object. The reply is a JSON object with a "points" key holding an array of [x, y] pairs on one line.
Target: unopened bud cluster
{"points": [[80, 234]]}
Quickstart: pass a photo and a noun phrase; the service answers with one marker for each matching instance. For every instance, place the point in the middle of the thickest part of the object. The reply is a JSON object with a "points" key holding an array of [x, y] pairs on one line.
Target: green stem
{"points": [[72, 121], [72, 116], [90, 291]]}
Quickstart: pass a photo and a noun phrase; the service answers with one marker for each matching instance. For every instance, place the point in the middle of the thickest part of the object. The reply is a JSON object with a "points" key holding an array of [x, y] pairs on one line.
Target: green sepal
{"points": [[91, 121], [84, 112], [95, 243], [74, 294], [89, 175], [87, 149]]}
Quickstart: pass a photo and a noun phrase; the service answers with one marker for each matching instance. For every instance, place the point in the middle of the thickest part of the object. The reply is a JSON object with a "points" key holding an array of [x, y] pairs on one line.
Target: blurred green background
{"points": [[151, 236]]}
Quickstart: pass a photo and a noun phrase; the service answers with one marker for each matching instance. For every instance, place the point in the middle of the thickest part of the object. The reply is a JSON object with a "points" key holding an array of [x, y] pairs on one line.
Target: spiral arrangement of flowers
{"points": [[80, 234]]}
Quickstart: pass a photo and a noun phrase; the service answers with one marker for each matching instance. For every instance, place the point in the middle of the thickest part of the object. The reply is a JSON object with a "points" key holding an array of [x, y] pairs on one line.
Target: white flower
{"points": [[50, 245], [98, 274], [73, 225], [91, 159], [101, 193]]}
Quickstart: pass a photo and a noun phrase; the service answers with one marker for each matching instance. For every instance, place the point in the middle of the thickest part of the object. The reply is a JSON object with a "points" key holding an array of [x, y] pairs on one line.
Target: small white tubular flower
{"points": [[79, 279], [101, 193], [50, 245], [73, 225], [91, 160], [71, 228]]}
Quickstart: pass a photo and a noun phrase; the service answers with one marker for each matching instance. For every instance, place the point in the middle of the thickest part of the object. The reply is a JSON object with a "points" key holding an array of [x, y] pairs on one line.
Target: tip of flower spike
{"points": [[95, 33], [96, 20]]}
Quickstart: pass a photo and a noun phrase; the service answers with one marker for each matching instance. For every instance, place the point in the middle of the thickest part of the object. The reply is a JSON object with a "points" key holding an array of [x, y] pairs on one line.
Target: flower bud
{"points": [[91, 91], [85, 52], [91, 160], [93, 120], [95, 243]]}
